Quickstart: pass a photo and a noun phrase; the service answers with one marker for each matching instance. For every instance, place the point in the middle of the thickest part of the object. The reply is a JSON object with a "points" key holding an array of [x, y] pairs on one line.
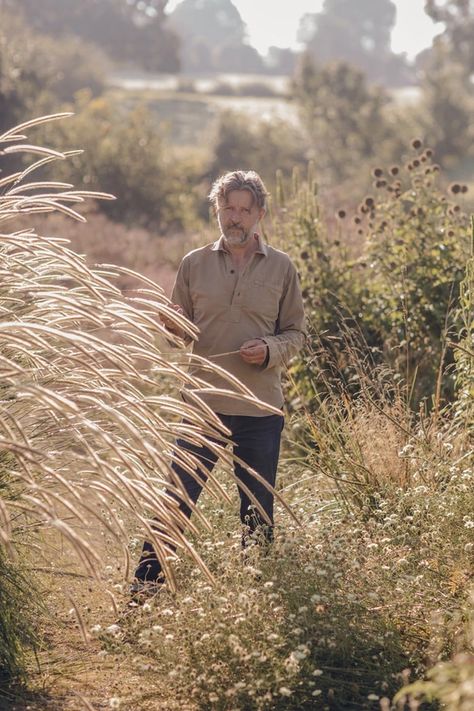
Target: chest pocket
{"points": [[263, 299]]}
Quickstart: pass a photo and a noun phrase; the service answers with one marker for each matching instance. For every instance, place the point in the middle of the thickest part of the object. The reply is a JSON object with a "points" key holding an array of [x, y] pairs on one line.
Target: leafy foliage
{"points": [[397, 300]]}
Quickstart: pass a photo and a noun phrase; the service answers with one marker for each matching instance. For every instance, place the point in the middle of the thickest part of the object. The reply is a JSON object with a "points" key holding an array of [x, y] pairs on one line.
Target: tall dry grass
{"points": [[90, 380]]}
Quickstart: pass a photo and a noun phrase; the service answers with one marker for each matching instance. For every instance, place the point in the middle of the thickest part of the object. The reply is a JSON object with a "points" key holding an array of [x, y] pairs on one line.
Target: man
{"points": [[245, 298]]}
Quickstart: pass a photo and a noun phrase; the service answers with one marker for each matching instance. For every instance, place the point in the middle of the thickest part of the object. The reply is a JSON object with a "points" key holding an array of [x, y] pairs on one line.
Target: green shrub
{"points": [[385, 283], [247, 143], [347, 122], [125, 153], [416, 247]]}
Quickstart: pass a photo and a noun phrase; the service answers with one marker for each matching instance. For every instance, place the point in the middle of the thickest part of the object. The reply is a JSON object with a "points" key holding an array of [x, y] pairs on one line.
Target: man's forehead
{"points": [[241, 196]]}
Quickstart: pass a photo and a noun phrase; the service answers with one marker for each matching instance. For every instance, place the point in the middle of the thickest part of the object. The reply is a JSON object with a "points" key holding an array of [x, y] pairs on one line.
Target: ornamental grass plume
{"points": [[89, 381]]}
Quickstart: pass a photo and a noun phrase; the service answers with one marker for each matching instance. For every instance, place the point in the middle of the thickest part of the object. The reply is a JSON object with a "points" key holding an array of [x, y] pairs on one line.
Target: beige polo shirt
{"points": [[230, 307]]}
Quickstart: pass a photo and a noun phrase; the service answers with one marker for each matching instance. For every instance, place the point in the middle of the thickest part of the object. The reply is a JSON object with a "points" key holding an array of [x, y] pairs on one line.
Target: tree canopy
{"points": [[358, 33], [213, 35], [128, 30], [458, 36]]}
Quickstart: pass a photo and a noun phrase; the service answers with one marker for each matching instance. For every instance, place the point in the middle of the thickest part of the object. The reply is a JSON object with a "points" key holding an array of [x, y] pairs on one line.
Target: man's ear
{"points": [[262, 213]]}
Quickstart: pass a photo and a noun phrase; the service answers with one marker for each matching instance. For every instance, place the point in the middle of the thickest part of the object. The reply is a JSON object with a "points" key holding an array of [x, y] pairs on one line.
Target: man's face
{"points": [[238, 217]]}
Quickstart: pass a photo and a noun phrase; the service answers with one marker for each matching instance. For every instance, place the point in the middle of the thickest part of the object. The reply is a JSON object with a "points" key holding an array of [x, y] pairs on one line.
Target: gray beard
{"points": [[238, 239]]}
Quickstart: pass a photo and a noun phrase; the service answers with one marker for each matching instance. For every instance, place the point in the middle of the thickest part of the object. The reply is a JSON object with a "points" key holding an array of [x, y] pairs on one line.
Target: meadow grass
{"points": [[350, 607], [366, 594]]}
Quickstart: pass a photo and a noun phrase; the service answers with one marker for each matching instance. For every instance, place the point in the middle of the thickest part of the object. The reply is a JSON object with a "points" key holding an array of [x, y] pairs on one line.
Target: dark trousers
{"points": [[256, 441]]}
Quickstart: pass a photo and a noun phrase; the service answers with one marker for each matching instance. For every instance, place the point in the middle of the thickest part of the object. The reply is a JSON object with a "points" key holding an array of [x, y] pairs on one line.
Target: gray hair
{"points": [[239, 180]]}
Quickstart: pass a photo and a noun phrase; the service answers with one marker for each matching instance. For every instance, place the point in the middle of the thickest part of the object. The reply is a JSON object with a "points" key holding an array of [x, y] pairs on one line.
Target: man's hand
{"points": [[171, 325], [254, 351]]}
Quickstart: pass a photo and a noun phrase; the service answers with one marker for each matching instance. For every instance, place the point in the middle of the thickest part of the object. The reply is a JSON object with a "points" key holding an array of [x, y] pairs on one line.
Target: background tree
{"points": [[444, 114], [128, 30], [446, 70], [344, 118], [217, 25], [36, 71], [281, 60], [358, 33], [458, 36]]}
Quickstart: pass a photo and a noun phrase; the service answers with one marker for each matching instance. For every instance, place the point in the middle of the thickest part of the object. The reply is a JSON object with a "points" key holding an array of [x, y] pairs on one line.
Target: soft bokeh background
{"points": [[358, 115]]}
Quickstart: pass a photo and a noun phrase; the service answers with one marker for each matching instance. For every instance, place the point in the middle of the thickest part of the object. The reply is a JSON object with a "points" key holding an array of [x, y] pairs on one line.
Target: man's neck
{"points": [[241, 254]]}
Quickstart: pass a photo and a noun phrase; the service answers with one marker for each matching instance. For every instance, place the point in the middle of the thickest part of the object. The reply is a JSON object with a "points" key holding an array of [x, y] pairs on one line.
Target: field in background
{"points": [[189, 105]]}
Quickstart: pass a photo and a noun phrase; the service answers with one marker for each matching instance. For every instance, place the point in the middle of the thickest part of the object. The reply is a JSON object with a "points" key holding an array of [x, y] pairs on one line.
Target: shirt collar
{"points": [[219, 245]]}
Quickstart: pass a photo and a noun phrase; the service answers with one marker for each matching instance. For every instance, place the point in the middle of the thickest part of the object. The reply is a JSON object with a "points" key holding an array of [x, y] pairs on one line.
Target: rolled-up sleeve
{"points": [[290, 333]]}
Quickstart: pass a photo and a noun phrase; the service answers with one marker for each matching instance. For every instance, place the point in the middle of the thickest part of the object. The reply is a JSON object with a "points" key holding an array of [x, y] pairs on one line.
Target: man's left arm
{"points": [[290, 333]]}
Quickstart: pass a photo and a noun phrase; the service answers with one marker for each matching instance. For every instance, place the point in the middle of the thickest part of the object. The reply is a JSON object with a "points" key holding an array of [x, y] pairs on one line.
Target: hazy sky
{"points": [[270, 22]]}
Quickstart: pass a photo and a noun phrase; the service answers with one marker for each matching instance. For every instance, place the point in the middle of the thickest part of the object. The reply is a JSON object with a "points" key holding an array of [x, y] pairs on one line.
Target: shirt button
{"points": [[232, 271]]}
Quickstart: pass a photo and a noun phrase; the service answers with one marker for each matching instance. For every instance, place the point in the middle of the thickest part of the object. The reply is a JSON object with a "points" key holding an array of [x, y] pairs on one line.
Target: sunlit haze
{"points": [[267, 25]]}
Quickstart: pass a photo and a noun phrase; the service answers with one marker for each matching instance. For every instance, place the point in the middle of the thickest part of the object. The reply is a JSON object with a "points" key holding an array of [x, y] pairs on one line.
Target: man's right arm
{"points": [[181, 296]]}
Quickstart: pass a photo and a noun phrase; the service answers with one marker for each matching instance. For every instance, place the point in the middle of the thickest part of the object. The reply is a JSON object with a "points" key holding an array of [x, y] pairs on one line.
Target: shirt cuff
{"points": [[266, 363]]}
